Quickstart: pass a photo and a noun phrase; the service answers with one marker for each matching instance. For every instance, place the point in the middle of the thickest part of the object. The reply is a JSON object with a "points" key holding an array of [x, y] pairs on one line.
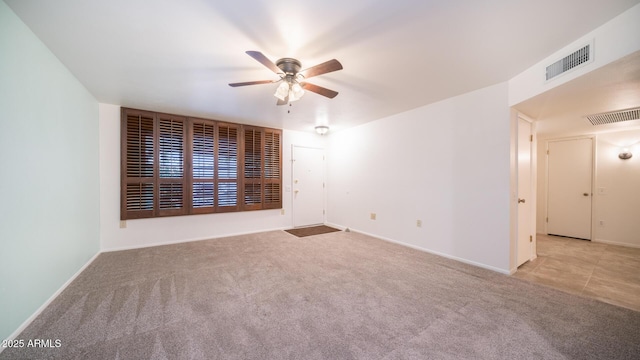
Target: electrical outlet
{"points": [[373, 216], [281, 211], [123, 224], [419, 223]]}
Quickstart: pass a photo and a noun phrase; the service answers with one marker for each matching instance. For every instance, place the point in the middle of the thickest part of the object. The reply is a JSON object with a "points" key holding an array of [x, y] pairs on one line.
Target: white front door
{"points": [[308, 186], [525, 234], [570, 170]]}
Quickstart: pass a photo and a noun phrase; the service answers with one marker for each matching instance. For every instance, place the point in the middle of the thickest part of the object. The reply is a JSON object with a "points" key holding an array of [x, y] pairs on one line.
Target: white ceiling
{"points": [[179, 56], [561, 111]]}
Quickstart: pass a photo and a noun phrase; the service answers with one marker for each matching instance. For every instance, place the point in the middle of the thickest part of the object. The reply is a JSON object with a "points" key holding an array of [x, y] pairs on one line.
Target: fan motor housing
{"points": [[289, 65]]}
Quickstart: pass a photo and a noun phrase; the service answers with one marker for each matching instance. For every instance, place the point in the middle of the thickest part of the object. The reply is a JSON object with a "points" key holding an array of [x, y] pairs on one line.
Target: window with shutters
{"points": [[176, 165]]}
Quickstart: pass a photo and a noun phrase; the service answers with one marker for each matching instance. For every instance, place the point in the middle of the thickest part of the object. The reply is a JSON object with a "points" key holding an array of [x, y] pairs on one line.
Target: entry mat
{"points": [[311, 230]]}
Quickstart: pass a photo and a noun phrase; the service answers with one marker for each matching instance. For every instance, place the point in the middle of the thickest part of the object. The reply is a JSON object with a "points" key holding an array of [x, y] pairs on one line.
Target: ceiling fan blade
{"points": [[264, 61], [319, 90], [325, 67], [252, 83]]}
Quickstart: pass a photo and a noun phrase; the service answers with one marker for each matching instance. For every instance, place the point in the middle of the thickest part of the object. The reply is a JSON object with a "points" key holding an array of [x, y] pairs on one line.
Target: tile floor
{"points": [[608, 273]]}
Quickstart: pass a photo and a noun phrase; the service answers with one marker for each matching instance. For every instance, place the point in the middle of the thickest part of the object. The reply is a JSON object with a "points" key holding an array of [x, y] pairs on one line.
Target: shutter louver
{"points": [[202, 197], [227, 184], [137, 171], [272, 170], [140, 147], [252, 198], [171, 180], [272, 195], [171, 196], [171, 148], [139, 196]]}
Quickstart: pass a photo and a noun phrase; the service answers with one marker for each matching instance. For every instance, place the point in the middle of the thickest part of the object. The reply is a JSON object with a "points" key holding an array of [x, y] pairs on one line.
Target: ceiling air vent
{"points": [[614, 116], [571, 61]]}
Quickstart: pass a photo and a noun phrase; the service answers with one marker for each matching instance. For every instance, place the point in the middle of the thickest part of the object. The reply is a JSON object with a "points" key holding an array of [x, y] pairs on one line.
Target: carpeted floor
{"points": [[340, 295], [311, 230]]}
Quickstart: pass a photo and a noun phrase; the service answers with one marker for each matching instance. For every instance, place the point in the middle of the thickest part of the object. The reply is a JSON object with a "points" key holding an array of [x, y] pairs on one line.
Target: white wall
{"points": [[446, 164], [156, 231], [49, 184], [619, 205], [612, 41], [616, 192]]}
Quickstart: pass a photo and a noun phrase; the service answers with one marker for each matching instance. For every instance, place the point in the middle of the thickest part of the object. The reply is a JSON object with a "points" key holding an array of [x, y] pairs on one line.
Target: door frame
{"points": [[532, 187], [593, 178], [324, 181]]}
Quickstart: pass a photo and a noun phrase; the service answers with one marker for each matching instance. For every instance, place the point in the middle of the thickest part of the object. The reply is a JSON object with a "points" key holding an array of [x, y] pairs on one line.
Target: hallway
{"points": [[605, 272]]}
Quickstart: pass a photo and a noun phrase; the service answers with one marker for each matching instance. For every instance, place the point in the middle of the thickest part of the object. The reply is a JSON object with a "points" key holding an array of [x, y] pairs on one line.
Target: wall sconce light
{"points": [[625, 154], [322, 129]]}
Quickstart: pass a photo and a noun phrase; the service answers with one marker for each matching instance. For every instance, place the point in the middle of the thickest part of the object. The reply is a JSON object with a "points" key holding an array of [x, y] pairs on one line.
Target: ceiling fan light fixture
{"points": [[288, 69], [282, 91]]}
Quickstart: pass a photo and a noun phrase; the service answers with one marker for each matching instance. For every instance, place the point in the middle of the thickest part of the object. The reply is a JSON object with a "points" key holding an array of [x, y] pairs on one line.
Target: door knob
{"points": [[585, 194], [296, 191], [520, 201]]}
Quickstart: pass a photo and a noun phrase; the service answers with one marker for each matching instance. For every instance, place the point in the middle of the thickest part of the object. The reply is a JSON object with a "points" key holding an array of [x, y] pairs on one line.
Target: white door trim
{"points": [[532, 188]]}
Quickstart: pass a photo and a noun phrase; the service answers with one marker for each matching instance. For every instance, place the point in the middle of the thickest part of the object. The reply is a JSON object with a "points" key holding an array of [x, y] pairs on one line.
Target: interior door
{"points": [[524, 192], [308, 186], [570, 172]]}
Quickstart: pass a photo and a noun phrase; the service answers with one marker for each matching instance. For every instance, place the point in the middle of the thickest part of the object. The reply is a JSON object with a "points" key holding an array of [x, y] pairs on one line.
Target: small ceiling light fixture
{"points": [[322, 129], [625, 154]]}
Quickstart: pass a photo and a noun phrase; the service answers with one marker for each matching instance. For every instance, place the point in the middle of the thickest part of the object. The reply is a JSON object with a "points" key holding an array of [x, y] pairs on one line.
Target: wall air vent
{"points": [[571, 61], [614, 116]]}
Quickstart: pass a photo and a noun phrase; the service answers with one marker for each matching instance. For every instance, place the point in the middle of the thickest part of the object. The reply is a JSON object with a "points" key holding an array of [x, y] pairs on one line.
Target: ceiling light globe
{"points": [[282, 91], [296, 92]]}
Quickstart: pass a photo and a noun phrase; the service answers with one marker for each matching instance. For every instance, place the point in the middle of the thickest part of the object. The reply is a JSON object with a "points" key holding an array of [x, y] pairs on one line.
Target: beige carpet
{"points": [[340, 295]]}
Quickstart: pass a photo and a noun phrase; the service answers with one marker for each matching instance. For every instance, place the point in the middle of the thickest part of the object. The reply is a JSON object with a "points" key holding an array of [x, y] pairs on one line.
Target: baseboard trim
{"points": [[335, 226], [180, 241], [603, 241], [462, 260], [30, 319]]}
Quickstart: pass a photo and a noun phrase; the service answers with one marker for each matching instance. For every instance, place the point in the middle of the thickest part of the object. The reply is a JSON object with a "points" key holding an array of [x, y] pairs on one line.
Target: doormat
{"points": [[312, 230]]}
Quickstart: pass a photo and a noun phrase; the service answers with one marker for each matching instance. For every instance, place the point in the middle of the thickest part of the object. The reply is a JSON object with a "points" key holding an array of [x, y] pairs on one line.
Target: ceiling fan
{"points": [[293, 80]]}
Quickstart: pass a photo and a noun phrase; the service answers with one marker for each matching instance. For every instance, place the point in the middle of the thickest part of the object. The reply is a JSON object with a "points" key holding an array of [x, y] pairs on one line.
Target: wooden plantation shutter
{"points": [[272, 169], [137, 197], [252, 169], [174, 165], [171, 154], [228, 151], [203, 167]]}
